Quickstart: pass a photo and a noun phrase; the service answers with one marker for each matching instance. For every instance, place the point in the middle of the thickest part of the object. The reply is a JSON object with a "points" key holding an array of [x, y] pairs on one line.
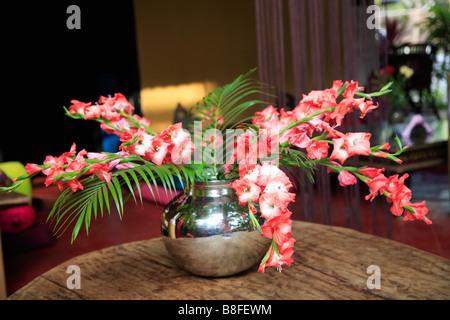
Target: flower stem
{"points": [[253, 219]]}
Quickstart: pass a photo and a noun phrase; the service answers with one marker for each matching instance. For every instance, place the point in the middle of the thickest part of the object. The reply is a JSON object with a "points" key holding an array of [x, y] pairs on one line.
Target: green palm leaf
{"points": [[229, 102], [78, 207]]}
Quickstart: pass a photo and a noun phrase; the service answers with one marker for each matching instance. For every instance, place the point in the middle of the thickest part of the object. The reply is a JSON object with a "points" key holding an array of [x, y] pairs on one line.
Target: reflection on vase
{"points": [[209, 234]]}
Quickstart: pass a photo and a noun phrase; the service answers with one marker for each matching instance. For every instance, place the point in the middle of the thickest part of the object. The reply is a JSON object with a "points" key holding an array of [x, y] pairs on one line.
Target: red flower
{"points": [[357, 143], [399, 194], [285, 256], [32, 168], [317, 149], [371, 172], [388, 70], [101, 170], [340, 151], [300, 140], [55, 169], [269, 207], [267, 114], [157, 151], [377, 184], [420, 212], [351, 89], [78, 107], [113, 104], [93, 112], [246, 190], [346, 178], [246, 147], [278, 228], [366, 107], [182, 152]]}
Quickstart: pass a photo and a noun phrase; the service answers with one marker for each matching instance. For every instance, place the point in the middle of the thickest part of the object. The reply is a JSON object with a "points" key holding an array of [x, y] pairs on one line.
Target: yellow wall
{"points": [[186, 48]]}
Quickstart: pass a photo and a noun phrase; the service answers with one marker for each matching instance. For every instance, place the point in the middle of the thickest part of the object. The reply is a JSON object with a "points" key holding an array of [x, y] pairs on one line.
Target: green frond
{"points": [[295, 162], [229, 102], [76, 208]]}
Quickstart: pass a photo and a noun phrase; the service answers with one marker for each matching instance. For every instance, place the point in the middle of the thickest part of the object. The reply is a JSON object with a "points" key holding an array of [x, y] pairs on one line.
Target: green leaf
{"points": [[128, 184], [228, 102], [106, 198], [387, 86]]}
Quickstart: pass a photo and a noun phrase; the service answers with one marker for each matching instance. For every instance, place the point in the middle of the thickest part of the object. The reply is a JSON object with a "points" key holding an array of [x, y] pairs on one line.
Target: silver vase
{"points": [[209, 234]]}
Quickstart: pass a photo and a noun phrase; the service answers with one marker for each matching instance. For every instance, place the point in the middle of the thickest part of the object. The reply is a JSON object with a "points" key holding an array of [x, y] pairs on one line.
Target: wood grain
{"points": [[329, 263]]}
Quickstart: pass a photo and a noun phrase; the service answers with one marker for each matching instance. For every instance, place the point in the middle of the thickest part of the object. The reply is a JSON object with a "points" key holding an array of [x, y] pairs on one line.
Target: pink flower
{"points": [[157, 151], [420, 212], [399, 194], [141, 120], [248, 169], [267, 114], [366, 107], [226, 169], [55, 169], [97, 155], [351, 89], [78, 163], [32, 168], [300, 140], [142, 146], [317, 149], [268, 171], [123, 166], [246, 190], [269, 207], [101, 170], [377, 184], [181, 153], [340, 151], [275, 260], [121, 124], [357, 143], [371, 172], [277, 184], [279, 228], [246, 147], [93, 112], [113, 104], [346, 179], [174, 134], [341, 110], [267, 143], [66, 156], [78, 107]]}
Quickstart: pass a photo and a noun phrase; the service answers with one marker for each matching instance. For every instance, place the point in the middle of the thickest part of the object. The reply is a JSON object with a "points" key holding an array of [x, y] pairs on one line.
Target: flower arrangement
{"points": [[257, 155]]}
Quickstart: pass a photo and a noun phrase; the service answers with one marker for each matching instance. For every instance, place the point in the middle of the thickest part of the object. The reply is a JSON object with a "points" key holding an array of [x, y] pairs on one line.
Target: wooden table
{"points": [[329, 263]]}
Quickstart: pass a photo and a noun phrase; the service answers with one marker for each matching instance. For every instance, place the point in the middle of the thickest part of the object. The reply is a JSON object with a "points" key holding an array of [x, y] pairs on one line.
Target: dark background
{"points": [[46, 65]]}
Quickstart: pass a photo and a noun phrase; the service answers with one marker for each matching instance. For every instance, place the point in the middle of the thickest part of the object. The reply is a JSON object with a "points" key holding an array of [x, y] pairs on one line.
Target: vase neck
{"points": [[215, 188]]}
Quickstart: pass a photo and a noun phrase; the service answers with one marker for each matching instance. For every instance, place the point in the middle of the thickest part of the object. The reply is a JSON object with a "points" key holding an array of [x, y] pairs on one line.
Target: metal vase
{"points": [[209, 234]]}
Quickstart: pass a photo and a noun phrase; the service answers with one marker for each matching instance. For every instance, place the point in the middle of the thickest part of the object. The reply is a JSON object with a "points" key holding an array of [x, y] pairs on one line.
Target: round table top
{"points": [[329, 263]]}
